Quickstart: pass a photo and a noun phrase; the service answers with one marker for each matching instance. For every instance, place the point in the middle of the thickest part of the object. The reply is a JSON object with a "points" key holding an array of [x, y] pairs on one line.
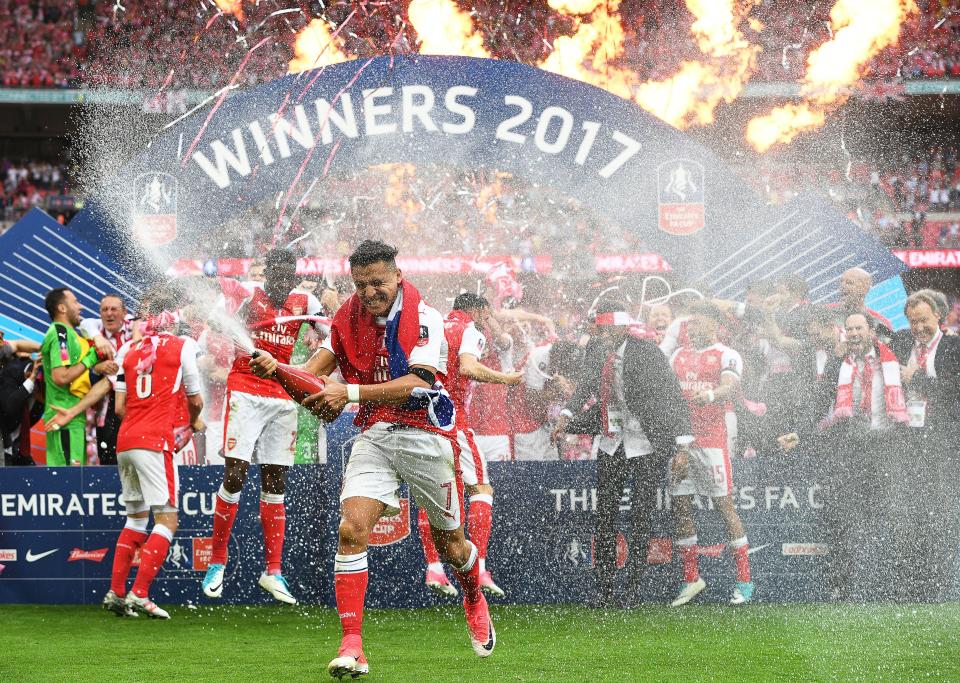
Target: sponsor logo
{"points": [[680, 196], [155, 209], [202, 552], [792, 549], [8, 555], [92, 555], [30, 557], [390, 530]]}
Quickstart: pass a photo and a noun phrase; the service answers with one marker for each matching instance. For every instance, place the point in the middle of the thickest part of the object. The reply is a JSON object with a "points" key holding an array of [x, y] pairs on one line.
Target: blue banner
{"points": [[58, 528], [607, 153]]}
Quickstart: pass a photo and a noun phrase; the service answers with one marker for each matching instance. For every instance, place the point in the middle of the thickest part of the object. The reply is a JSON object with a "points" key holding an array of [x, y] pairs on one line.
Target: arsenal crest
{"points": [[154, 209], [680, 197]]}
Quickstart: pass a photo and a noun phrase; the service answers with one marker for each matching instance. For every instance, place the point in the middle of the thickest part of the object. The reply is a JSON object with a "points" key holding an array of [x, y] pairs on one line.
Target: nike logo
{"points": [[33, 558], [751, 551]]}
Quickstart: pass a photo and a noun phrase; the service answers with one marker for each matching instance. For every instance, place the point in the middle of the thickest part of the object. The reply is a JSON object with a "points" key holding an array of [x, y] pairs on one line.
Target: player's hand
{"points": [[908, 371], [63, 416], [198, 425], [512, 379], [106, 368], [330, 300], [701, 398], [560, 430], [788, 441], [32, 373], [330, 402], [104, 348], [263, 364], [681, 465]]}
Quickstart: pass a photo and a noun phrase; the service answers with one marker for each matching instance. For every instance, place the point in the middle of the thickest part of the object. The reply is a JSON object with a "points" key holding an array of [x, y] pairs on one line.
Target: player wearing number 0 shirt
{"points": [[709, 375], [390, 347], [260, 422], [154, 374], [465, 348]]}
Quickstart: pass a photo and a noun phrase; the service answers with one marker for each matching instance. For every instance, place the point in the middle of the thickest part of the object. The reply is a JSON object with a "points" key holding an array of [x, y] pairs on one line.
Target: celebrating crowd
{"points": [[65, 43]]}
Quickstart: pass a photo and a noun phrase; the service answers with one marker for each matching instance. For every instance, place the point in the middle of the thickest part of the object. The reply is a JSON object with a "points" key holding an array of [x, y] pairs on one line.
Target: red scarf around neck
{"points": [[894, 403]]}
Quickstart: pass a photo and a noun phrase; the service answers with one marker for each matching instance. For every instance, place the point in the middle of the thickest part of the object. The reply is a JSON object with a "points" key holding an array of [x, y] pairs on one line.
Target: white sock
{"points": [[435, 567], [483, 564], [227, 496]]}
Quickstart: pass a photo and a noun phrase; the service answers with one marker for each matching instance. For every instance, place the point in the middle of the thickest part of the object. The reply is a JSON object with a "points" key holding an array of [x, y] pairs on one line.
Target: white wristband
{"points": [[353, 393], [710, 396]]}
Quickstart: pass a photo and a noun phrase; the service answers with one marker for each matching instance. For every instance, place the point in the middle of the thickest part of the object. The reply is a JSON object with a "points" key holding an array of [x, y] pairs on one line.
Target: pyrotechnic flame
{"points": [[861, 29], [314, 47], [444, 29], [692, 95], [688, 97], [234, 7]]}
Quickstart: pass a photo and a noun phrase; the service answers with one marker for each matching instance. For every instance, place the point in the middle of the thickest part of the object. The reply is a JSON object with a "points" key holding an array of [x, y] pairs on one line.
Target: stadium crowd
{"points": [[66, 43]]}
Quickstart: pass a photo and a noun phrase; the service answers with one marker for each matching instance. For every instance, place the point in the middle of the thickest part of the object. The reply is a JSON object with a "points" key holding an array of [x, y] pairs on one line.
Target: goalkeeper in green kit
{"points": [[67, 361]]}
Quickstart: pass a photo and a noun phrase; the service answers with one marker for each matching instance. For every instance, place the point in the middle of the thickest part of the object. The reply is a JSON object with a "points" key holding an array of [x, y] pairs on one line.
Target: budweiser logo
{"points": [[92, 555]]}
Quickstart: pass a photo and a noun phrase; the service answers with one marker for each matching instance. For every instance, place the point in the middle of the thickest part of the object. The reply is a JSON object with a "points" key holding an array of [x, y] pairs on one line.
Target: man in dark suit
{"points": [[643, 420], [932, 379], [17, 381]]}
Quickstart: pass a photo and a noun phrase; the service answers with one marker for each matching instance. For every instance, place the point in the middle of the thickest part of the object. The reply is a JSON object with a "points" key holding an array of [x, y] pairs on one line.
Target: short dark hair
{"points": [[796, 285], [373, 251], [114, 295], [871, 322], [53, 299], [708, 310], [278, 257], [610, 305], [470, 302]]}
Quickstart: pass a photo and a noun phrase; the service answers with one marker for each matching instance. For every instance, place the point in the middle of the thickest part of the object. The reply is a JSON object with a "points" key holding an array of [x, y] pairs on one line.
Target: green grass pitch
{"points": [[544, 644]]}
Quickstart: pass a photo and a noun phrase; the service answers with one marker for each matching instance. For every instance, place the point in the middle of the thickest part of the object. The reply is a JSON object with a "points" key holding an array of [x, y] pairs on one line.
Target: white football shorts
{"points": [[260, 429], [386, 455], [473, 461], [535, 446], [709, 474], [149, 477], [495, 447]]}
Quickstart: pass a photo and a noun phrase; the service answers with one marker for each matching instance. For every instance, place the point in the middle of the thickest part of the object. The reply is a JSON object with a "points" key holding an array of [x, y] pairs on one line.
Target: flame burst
{"points": [[314, 47], [861, 29], [688, 97], [445, 29], [234, 7]]}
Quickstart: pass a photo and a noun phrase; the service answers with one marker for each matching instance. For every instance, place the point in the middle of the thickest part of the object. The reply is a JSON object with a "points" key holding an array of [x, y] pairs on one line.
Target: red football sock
{"points": [[273, 518], [152, 556], [740, 550], [480, 522], [688, 553], [426, 538], [224, 512], [130, 539], [469, 577], [350, 587]]}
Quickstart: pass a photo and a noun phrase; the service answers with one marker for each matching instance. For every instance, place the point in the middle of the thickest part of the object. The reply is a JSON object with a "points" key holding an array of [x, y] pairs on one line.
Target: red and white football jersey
{"points": [[462, 337], [700, 370], [489, 405], [154, 398], [276, 337], [430, 351]]}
